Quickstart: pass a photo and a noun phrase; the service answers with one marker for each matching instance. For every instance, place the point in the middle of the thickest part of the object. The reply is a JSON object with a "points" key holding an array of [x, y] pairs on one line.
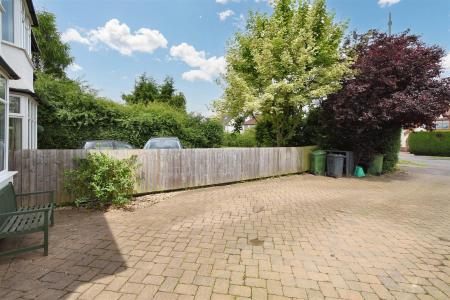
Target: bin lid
{"points": [[319, 152], [336, 155]]}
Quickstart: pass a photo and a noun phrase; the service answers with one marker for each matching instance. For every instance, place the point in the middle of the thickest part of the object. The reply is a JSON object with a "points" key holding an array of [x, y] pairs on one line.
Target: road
{"points": [[426, 165]]}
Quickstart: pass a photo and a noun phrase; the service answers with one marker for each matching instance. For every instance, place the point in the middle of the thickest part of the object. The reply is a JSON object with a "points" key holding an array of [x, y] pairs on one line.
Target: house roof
{"points": [[24, 91], [251, 121], [32, 13], [8, 70]]}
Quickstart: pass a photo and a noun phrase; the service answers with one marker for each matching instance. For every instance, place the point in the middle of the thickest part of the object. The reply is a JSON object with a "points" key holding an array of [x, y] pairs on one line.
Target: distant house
{"points": [[18, 104], [441, 123], [249, 123], [229, 127]]}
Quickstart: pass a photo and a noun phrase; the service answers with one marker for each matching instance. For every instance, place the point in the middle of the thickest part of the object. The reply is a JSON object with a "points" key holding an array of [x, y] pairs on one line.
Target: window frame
{"points": [[13, 25], [22, 116], [6, 143]]}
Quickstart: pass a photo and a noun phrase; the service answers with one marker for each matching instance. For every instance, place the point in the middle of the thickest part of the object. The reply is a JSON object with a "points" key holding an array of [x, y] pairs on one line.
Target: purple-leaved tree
{"points": [[397, 82]]}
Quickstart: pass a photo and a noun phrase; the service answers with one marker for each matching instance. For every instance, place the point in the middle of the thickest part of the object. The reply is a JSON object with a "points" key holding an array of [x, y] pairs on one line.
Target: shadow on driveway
{"points": [[83, 254]]}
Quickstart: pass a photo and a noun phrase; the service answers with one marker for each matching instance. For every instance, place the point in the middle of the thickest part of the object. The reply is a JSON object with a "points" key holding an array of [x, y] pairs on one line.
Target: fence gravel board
{"points": [[162, 170]]}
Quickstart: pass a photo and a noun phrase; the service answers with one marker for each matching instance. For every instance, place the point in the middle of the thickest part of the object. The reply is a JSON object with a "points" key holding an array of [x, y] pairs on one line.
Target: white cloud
{"points": [[75, 67], [446, 62], [384, 3], [205, 68], [119, 37], [225, 14], [72, 35]]}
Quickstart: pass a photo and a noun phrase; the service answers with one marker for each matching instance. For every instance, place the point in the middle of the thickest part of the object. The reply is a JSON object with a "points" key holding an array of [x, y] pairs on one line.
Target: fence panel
{"points": [[162, 170]]}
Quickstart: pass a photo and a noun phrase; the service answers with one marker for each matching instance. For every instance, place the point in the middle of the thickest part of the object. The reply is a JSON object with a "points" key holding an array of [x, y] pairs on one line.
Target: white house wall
{"points": [[19, 61]]}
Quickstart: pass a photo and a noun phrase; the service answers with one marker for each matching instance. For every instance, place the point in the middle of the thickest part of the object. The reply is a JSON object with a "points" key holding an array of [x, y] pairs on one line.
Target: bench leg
{"points": [[46, 241], [46, 233], [52, 218]]}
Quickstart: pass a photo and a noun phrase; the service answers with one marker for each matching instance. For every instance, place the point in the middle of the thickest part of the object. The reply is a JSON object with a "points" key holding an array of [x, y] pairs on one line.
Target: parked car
{"points": [[163, 143], [106, 145]]}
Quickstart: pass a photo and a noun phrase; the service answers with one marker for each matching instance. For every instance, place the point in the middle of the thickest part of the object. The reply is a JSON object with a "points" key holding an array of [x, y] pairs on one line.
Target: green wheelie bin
{"points": [[376, 166], [318, 161]]}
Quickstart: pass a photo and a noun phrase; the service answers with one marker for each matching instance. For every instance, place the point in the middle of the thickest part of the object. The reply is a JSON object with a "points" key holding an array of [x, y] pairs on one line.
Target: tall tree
{"points": [[282, 62], [54, 56], [146, 90], [398, 83], [167, 89]]}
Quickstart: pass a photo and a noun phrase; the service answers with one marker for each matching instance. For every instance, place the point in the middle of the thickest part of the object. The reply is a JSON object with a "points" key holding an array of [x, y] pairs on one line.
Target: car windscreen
{"points": [[100, 145], [162, 144], [120, 145]]}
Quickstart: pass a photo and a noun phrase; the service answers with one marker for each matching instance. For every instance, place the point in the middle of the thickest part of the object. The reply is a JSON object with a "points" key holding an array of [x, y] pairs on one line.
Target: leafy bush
{"points": [[236, 139], [100, 181], [71, 114], [430, 143], [390, 147], [307, 131]]}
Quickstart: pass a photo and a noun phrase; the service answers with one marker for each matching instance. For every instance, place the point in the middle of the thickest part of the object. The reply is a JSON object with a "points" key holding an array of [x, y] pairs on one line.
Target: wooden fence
{"points": [[162, 170]]}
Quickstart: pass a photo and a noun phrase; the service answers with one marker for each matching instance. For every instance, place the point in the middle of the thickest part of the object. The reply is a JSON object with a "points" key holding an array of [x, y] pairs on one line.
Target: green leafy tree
{"points": [[146, 90], [54, 56], [178, 101], [167, 89], [282, 62]]}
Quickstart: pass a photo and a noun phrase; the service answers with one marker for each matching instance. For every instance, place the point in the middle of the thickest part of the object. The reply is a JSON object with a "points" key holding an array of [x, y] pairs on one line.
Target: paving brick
{"points": [[294, 292], [221, 286], [239, 290], [203, 292], [186, 289], [132, 288], [168, 284], [93, 291]]}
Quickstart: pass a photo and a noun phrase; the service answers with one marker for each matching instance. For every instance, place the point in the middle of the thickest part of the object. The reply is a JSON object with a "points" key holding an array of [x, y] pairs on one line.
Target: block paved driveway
{"points": [[292, 237]]}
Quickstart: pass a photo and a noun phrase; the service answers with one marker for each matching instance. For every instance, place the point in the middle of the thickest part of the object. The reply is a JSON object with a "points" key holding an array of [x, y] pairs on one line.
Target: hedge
{"points": [[70, 114], [236, 139], [435, 143]]}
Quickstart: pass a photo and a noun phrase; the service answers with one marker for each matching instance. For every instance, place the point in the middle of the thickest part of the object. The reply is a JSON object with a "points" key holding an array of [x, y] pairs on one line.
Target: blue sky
{"points": [[113, 41]]}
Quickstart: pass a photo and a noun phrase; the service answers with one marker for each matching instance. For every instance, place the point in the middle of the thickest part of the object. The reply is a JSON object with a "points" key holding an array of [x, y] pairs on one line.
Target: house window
{"points": [[3, 120], [442, 124], [14, 104], [26, 31], [8, 21], [32, 125], [15, 134], [15, 124]]}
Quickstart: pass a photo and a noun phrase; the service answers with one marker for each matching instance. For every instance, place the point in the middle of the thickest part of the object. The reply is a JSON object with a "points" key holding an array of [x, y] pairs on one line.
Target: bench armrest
{"points": [[25, 212], [51, 193]]}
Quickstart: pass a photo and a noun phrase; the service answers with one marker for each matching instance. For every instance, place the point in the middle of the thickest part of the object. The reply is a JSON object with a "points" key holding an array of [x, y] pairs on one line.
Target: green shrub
{"points": [[235, 139], [430, 143], [390, 146], [99, 181]]}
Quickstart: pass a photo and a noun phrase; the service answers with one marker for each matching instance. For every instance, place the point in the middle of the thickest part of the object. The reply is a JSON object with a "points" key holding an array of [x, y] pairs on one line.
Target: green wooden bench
{"points": [[24, 219]]}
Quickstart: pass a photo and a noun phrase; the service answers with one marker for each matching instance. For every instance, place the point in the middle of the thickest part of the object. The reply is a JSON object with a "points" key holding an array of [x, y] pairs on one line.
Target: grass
{"points": [[411, 163]]}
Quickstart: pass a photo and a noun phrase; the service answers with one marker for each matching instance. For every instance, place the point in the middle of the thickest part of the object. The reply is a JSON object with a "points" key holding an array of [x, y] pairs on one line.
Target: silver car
{"points": [[163, 143], [106, 145]]}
